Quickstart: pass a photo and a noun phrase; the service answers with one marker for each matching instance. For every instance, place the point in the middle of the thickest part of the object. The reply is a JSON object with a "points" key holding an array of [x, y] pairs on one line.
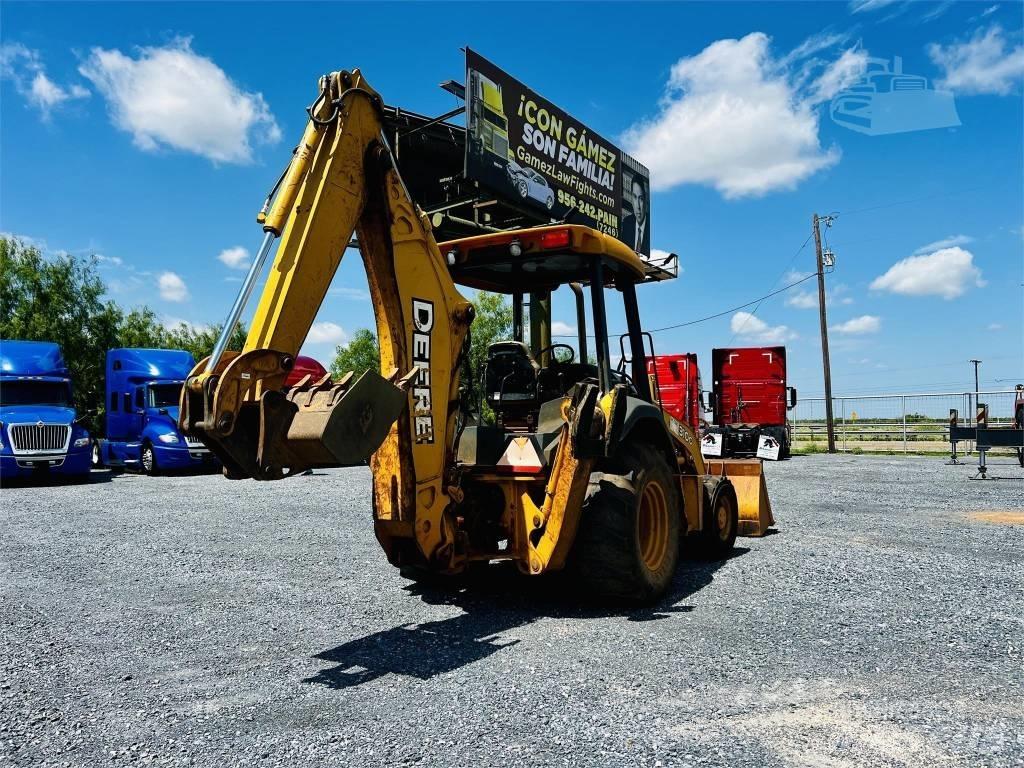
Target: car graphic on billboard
{"points": [[530, 184]]}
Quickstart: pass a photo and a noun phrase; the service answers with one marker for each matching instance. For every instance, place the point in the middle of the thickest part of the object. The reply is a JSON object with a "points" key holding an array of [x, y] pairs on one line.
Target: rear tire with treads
{"points": [[627, 545]]}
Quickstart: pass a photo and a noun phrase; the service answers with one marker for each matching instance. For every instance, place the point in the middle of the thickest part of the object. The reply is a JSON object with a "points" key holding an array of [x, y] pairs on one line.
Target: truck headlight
{"points": [[168, 438], [81, 442]]}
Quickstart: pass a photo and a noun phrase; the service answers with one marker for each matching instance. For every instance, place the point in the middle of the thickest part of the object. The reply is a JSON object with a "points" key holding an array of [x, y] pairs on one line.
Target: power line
{"points": [[784, 270], [733, 309], [708, 317]]}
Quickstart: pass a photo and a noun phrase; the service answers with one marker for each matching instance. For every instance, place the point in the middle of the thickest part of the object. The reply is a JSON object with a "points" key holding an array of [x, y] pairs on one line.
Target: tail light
{"points": [[556, 238]]}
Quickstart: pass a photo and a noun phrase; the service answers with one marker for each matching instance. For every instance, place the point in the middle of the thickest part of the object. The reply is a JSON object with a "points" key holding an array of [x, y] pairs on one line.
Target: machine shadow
{"points": [[499, 601]]}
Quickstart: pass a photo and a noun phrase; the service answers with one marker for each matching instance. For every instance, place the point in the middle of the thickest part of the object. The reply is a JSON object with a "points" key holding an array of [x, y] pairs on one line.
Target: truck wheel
{"points": [[97, 455], [149, 460], [721, 521], [627, 546]]}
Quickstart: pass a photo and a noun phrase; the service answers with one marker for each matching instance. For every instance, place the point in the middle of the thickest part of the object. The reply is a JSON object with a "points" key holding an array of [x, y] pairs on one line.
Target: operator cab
{"points": [[524, 384]]}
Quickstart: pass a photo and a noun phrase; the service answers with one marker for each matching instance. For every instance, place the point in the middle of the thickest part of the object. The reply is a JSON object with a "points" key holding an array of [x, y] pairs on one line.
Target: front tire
{"points": [[148, 460], [721, 521], [627, 546], [524, 191], [97, 455]]}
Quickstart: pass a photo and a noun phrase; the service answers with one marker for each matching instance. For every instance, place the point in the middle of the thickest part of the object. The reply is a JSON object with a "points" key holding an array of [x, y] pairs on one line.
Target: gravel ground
{"points": [[197, 621]]}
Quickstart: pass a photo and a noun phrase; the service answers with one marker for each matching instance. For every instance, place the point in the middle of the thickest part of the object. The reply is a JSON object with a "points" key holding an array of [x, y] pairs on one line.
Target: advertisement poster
{"points": [[528, 151], [768, 448], [711, 444]]}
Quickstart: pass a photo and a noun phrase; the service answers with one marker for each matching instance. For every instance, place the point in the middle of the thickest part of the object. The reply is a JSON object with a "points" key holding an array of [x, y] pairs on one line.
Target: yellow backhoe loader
{"points": [[580, 469]]}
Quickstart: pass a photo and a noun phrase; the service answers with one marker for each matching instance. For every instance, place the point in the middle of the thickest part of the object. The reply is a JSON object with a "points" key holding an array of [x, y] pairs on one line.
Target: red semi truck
{"points": [[749, 398], [676, 381]]}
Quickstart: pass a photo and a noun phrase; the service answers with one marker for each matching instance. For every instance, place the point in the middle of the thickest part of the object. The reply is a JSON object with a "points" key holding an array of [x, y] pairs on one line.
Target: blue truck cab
{"points": [[142, 394], [39, 430]]}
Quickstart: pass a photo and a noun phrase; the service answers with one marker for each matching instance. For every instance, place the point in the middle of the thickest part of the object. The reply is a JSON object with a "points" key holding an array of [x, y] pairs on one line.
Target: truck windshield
{"points": [[163, 395], [35, 393]]}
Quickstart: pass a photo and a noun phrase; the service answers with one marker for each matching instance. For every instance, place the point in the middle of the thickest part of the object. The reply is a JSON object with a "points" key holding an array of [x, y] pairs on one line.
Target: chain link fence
{"points": [[898, 423]]}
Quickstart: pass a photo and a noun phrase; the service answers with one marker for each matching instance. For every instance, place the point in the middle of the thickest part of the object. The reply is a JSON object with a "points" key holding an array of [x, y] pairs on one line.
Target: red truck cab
{"points": [[675, 380], [750, 398], [304, 366]]}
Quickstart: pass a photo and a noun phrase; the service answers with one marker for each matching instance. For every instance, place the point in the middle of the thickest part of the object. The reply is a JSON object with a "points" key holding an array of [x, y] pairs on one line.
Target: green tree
{"points": [[140, 328], [493, 322], [359, 355], [59, 299], [199, 340]]}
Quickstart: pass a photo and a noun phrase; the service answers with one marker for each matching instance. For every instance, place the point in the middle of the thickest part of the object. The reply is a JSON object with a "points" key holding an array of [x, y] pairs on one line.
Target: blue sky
{"points": [[149, 134]]}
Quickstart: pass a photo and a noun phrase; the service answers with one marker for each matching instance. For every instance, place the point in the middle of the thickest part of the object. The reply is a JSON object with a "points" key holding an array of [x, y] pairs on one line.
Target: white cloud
{"points": [[948, 273], [735, 118], [326, 333], [558, 328], [859, 325], [995, 326], [860, 6], [840, 74], [753, 328], [345, 292], [116, 261], [236, 258], [171, 323], [946, 242], [983, 64], [809, 299], [172, 96], [23, 66], [172, 287]]}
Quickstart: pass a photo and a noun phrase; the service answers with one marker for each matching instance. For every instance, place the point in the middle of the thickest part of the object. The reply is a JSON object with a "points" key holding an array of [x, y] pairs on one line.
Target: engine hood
{"points": [[29, 414]]}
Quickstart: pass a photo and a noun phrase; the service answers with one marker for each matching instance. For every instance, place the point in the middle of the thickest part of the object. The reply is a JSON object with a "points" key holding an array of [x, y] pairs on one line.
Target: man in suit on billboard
{"points": [[635, 225]]}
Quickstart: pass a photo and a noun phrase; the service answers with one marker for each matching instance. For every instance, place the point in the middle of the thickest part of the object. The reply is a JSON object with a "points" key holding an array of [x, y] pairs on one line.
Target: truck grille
{"points": [[39, 438], [193, 442]]}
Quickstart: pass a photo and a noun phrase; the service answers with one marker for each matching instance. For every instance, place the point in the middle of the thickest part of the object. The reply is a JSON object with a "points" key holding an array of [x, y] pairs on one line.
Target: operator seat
{"points": [[510, 385]]}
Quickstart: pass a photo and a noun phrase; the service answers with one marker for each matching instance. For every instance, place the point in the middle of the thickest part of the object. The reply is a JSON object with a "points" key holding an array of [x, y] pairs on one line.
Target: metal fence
{"points": [[911, 422]]}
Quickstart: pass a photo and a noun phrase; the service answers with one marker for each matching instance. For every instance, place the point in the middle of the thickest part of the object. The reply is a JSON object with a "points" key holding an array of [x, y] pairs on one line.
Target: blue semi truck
{"points": [[40, 433], [142, 394]]}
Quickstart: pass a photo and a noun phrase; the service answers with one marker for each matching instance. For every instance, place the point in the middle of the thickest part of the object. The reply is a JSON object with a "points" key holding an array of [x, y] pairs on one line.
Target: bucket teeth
{"points": [[326, 423]]}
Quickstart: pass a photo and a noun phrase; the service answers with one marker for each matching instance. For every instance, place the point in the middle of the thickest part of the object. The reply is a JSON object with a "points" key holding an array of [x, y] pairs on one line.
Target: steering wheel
{"points": [[552, 348]]}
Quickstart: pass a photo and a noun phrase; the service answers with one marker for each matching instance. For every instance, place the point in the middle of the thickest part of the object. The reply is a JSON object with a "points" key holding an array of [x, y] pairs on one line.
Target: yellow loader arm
{"points": [[342, 181]]}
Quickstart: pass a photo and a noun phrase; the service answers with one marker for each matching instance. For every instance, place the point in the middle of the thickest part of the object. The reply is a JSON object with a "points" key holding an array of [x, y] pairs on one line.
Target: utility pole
{"points": [[829, 424], [976, 364]]}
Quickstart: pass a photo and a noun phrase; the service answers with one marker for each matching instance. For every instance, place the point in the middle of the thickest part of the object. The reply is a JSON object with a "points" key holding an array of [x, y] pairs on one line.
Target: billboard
{"points": [[526, 150]]}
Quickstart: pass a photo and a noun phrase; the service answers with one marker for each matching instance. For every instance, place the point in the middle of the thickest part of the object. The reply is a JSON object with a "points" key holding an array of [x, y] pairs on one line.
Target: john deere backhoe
{"points": [[580, 469]]}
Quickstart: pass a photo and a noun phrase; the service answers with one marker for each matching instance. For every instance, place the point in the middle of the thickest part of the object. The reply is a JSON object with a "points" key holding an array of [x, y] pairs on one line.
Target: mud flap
{"points": [[755, 509]]}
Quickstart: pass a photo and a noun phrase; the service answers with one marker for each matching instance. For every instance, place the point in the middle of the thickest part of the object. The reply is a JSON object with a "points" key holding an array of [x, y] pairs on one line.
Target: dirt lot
{"points": [[196, 621]]}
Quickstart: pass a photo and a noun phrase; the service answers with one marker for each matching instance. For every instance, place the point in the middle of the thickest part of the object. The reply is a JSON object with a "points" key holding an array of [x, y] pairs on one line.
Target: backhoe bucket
{"points": [[755, 509], [326, 423]]}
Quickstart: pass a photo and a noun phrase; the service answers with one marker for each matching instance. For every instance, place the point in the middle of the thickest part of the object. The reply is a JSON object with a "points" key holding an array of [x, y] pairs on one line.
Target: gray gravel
{"points": [[197, 621]]}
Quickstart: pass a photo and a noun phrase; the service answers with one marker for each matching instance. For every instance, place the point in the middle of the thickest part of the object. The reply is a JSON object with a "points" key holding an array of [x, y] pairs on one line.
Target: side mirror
{"points": [[792, 397], [703, 396]]}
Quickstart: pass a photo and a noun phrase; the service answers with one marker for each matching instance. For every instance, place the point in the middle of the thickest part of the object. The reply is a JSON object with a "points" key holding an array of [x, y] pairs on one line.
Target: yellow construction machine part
{"points": [[747, 477]]}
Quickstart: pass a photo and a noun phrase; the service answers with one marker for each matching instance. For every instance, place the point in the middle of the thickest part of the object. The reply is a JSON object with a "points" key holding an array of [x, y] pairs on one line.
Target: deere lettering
{"points": [[423, 415]]}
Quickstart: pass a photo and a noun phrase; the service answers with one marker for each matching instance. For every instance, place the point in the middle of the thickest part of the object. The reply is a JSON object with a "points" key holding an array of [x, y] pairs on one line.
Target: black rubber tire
{"points": [[97, 455], [718, 535], [153, 469], [606, 557]]}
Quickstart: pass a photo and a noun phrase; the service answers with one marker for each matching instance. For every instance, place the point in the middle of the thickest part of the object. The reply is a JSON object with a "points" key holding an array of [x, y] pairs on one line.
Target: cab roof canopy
{"points": [[539, 259]]}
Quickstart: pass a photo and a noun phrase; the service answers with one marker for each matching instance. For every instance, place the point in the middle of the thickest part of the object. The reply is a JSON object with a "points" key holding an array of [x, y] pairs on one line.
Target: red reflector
{"points": [[558, 238]]}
